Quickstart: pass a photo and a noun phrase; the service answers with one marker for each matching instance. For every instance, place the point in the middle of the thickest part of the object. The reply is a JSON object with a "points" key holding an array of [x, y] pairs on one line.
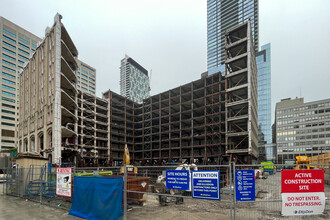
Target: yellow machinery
{"points": [[126, 160], [303, 163]]}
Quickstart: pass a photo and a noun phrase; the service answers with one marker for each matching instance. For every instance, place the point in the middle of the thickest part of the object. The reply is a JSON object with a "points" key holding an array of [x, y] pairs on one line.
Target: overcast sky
{"points": [[170, 37]]}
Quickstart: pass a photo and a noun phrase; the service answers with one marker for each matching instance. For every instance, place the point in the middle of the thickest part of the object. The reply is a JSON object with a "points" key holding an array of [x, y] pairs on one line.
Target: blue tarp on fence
{"points": [[97, 198]]}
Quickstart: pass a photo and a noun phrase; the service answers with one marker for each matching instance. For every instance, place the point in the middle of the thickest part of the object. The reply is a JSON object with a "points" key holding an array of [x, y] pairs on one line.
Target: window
{"points": [[33, 45], [8, 45], [91, 75], [8, 32], [9, 51], [8, 124], [23, 51], [8, 63], [84, 75], [23, 57], [8, 106], [9, 57], [9, 39], [21, 62], [8, 93], [8, 112], [24, 41], [8, 99], [84, 88], [8, 118], [7, 141], [22, 45], [8, 81]]}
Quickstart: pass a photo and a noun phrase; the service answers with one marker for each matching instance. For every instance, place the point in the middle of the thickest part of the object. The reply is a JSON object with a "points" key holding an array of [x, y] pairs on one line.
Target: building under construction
{"points": [[241, 95], [212, 120]]}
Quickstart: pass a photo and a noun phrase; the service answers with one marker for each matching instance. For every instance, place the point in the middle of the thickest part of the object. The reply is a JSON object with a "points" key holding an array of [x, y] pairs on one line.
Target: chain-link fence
{"points": [[146, 195], [268, 200]]}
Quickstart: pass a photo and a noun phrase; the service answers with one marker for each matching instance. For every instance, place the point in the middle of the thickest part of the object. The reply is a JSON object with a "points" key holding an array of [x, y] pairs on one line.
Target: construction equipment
{"points": [[303, 163], [126, 160]]}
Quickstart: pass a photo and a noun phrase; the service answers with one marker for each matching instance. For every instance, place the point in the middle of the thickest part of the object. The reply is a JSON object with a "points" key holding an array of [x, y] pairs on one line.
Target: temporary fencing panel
{"points": [[258, 198], [97, 197]]}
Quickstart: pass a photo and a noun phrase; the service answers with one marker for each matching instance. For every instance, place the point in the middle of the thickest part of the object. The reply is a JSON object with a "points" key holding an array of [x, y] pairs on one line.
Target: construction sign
{"points": [[302, 192], [63, 181]]}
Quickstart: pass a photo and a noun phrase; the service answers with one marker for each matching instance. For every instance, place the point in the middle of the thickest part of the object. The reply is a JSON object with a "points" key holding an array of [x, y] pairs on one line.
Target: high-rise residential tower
{"points": [[86, 76], [17, 45], [134, 80], [263, 59], [223, 15]]}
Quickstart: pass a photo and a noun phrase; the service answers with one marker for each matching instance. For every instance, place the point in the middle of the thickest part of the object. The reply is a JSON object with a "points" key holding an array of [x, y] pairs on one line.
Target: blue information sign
{"points": [[245, 185], [177, 179], [205, 184]]}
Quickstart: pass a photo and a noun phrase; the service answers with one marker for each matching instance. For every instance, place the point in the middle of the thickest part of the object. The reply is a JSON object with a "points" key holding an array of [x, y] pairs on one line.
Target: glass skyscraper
{"points": [[264, 94], [221, 16]]}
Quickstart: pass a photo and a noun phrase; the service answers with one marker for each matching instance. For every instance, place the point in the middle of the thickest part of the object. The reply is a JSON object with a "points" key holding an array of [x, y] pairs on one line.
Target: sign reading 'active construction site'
{"points": [[302, 192]]}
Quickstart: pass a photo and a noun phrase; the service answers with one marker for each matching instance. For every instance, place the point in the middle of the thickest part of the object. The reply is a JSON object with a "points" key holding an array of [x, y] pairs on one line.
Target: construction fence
{"points": [[146, 195]]}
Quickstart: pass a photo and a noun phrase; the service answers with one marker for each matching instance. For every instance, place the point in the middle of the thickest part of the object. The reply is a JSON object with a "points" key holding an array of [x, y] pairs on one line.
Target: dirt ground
{"points": [[192, 209], [195, 209]]}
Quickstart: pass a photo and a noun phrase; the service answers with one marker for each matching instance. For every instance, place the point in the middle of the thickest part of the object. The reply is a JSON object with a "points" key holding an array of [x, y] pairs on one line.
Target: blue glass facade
{"points": [[223, 15], [263, 59]]}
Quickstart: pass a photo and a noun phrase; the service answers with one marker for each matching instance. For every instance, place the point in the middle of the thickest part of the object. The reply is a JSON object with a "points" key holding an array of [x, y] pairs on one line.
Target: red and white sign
{"points": [[63, 181], [300, 181], [303, 203], [302, 192]]}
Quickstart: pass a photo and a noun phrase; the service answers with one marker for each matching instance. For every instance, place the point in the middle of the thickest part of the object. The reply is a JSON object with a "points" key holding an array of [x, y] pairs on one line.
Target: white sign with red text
{"points": [[63, 181], [303, 203], [302, 192]]}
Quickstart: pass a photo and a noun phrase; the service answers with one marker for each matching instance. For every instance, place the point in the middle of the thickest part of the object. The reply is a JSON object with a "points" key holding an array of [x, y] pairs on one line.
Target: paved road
{"points": [[13, 208]]}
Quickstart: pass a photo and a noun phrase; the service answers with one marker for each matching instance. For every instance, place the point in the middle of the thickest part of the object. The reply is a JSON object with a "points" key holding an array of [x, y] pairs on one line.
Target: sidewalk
{"points": [[18, 208]]}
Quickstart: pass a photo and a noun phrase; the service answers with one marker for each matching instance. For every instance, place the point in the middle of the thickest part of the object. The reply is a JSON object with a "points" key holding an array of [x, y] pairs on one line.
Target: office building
{"points": [[241, 94], [17, 45], [302, 128], [134, 80], [86, 76], [223, 15], [264, 93]]}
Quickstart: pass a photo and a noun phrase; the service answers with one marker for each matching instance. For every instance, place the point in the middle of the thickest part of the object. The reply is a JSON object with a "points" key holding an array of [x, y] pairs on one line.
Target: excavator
{"points": [[126, 160], [303, 163]]}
